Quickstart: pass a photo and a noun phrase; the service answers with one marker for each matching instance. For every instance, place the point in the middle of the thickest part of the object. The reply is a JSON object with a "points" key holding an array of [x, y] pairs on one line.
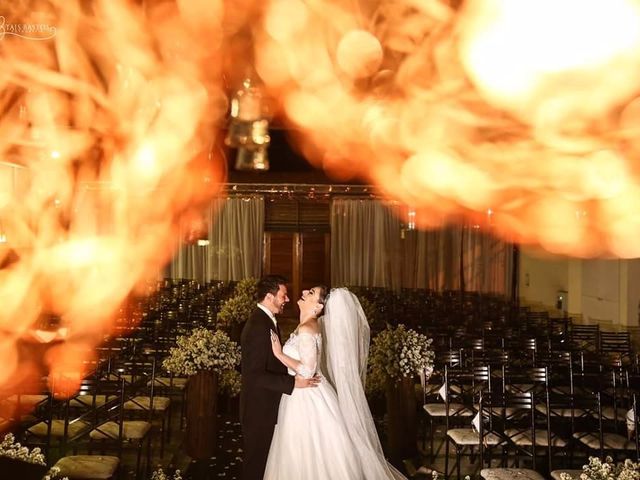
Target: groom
{"points": [[264, 378]]}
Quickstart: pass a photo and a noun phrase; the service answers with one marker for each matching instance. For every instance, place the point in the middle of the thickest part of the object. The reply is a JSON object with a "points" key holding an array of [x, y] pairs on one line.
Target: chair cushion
{"points": [[562, 390], [127, 377], [160, 404], [560, 412], [431, 388], [132, 430], [519, 387], [508, 411], [574, 474], [440, 410], [179, 383], [468, 436], [510, 474], [82, 401], [612, 441], [88, 467], [57, 428], [609, 414], [523, 439]]}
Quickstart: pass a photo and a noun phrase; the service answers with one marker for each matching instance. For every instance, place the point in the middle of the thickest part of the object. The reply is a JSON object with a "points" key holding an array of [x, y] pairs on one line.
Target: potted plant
{"points": [[397, 356], [202, 356]]}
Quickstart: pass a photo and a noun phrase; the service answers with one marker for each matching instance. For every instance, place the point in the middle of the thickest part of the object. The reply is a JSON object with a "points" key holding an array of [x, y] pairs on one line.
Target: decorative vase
{"points": [[202, 395], [402, 428]]}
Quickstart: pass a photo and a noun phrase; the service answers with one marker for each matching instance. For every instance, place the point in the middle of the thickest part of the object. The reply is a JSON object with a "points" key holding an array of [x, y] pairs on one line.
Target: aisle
{"points": [[227, 463]]}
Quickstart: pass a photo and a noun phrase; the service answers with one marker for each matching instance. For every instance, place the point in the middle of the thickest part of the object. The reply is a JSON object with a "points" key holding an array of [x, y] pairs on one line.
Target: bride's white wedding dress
{"points": [[327, 432], [310, 440]]}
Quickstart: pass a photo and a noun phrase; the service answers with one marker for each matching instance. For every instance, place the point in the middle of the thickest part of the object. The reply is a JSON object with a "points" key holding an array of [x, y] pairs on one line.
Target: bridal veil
{"points": [[346, 348]]}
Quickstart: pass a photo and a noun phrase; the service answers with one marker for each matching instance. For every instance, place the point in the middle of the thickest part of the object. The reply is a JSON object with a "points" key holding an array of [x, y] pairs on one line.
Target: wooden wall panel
{"points": [[313, 261], [279, 260]]}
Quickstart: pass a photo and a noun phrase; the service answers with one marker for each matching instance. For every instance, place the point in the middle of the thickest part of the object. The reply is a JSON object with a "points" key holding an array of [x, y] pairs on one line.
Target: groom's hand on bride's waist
{"points": [[302, 382]]}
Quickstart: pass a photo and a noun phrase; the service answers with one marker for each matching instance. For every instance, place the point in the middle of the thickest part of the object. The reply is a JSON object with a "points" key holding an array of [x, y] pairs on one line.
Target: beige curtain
{"points": [[487, 262], [234, 252], [431, 259], [365, 244], [370, 247]]}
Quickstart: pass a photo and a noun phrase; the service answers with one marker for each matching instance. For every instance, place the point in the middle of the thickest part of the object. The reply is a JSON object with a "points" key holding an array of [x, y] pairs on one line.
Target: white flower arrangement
{"points": [[607, 470], [203, 349], [160, 475], [10, 449], [54, 474], [397, 353], [239, 307]]}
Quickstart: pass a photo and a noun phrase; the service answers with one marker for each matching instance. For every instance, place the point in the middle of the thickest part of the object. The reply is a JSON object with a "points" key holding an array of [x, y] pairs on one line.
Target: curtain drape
{"points": [[365, 244], [370, 248], [235, 235]]}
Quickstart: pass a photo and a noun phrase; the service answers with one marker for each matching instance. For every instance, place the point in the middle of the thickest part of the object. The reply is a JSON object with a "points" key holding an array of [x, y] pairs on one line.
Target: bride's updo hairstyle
{"points": [[324, 294]]}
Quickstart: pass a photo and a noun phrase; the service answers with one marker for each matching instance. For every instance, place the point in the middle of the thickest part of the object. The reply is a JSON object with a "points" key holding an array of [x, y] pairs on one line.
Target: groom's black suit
{"points": [[264, 380]]}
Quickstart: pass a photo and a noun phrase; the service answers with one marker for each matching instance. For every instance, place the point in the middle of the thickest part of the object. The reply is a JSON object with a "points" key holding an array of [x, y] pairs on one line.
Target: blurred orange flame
{"points": [[527, 107], [521, 115], [106, 131]]}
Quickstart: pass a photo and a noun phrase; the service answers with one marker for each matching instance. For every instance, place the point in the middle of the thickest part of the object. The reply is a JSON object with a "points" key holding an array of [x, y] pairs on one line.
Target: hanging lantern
{"points": [[249, 128]]}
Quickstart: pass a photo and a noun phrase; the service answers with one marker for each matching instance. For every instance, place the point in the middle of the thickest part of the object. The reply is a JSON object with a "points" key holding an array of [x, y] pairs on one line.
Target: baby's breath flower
{"points": [[397, 353], [607, 470], [203, 349], [9, 448], [160, 475], [239, 307]]}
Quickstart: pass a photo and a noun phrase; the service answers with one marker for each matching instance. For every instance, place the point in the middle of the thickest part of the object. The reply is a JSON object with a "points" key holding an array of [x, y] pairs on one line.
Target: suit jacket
{"points": [[264, 378]]}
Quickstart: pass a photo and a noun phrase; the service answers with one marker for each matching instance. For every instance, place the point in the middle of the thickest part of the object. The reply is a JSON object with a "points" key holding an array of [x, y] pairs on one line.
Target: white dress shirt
{"points": [[268, 312]]}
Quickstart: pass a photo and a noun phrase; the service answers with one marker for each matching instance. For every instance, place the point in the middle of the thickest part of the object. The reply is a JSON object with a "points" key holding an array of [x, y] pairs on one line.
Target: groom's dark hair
{"points": [[269, 284]]}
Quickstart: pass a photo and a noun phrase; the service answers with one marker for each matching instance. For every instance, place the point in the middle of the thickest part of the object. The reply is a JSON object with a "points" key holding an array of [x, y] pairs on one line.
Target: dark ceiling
{"points": [[286, 165]]}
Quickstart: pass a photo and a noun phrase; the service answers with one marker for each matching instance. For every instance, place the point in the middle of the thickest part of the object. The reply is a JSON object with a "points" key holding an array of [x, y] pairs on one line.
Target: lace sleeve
{"points": [[308, 350]]}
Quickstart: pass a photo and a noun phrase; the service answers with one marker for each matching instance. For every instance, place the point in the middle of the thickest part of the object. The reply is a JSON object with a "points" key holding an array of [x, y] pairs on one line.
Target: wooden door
{"points": [[303, 258]]}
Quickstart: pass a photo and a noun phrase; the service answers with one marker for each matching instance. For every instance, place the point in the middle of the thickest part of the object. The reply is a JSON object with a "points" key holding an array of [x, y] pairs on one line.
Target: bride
{"points": [[327, 432]]}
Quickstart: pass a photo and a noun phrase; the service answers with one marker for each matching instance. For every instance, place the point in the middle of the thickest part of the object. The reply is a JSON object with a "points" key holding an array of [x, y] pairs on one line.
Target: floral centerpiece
{"points": [[202, 350], [237, 309], [398, 353], [204, 356], [9, 448], [397, 356], [23, 463], [54, 474], [607, 470]]}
